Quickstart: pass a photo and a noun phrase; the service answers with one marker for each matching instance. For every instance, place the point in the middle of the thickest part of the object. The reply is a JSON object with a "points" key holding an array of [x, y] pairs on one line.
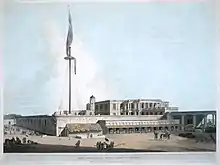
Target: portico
{"points": [[193, 118]]}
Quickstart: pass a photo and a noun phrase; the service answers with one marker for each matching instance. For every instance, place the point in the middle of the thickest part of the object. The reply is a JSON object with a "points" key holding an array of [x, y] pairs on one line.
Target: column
{"points": [[213, 119], [182, 122], [194, 121], [205, 123]]}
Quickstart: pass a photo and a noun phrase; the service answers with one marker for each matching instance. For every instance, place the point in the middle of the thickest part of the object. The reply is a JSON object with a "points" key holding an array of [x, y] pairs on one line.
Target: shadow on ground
{"points": [[43, 148]]}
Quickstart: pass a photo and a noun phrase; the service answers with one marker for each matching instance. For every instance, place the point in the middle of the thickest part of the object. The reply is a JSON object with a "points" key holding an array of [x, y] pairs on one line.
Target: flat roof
{"points": [[34, 116], [190, 112]]}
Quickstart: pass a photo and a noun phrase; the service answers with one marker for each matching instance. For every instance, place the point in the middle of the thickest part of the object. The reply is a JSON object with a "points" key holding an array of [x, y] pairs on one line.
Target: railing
{"points": [[159, 122]]}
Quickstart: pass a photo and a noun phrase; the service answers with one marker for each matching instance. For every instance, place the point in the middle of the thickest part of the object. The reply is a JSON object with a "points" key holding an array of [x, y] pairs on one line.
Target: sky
{"points": [[123, 50]]}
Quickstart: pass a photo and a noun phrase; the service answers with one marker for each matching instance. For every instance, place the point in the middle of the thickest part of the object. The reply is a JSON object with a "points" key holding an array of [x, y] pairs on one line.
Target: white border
{"points": [[198, 158]]}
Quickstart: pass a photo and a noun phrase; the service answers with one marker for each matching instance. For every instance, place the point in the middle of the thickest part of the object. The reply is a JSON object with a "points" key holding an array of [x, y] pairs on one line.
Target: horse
{"points": [[165, 135]]}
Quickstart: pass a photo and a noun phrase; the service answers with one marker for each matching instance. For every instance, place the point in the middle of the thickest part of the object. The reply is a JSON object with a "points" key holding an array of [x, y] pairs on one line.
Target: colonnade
{"points": [[141, 129], [194, 120]]}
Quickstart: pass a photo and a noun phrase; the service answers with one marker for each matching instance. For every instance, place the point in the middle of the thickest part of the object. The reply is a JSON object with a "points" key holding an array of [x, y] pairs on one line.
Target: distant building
{"points": [[128, 107], [116, 116], [8, 122], [82, 130]]}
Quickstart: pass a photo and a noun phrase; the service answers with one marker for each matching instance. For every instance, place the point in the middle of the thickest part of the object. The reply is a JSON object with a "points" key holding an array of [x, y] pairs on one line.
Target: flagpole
{"points": [[70, 91], [69, 57]]}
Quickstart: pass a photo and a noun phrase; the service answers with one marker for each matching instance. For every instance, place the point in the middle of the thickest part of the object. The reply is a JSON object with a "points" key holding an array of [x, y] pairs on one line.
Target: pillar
{"points": [[194, 121], [205, 123], [213, 119], [182, 122]]}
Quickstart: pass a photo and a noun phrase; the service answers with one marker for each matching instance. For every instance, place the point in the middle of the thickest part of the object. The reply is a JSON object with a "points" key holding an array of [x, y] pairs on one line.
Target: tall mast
{"points": [[69, 58]]}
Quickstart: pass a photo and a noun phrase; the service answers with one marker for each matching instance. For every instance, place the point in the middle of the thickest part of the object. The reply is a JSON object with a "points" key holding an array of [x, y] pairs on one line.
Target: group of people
{"points": [[16, 141], [163, 135], [104, 146]]}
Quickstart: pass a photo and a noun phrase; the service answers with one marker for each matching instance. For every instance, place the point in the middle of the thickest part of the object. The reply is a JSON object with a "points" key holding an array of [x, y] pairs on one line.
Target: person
{"points": [[155, 134], [111, 144], [77, 144], [24, 140], [168, 136], [161, 136], [101, 146]]}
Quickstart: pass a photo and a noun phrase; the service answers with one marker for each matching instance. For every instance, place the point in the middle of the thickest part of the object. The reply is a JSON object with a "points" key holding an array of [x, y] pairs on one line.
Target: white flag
{"points": [[69, 35]]}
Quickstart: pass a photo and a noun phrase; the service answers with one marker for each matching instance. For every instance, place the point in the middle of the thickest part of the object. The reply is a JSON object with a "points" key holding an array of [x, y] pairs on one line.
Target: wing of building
{"points": [[116, 116]]}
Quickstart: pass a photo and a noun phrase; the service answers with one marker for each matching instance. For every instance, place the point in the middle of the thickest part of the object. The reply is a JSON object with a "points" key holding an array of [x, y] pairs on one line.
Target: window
{"points": [[155, 113], [146, 105], [142, 113], [151, 113], [106, 106], [114, 113], [96, 106], [142, 105], [90, 113], [150, 105], [161, 113], [100, 106], [114, 106], [132, 105]]}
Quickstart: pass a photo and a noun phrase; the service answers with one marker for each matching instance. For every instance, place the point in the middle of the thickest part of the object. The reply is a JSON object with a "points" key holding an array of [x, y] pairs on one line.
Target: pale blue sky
{"points": [[147, 50]]}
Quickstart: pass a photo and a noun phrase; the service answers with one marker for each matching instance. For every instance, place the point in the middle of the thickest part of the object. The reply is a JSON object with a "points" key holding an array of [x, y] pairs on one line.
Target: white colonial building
{"points": [[118, 116]]}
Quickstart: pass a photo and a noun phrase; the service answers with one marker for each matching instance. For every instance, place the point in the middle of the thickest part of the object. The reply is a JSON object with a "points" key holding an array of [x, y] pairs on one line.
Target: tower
{"points": [[92, 105]]}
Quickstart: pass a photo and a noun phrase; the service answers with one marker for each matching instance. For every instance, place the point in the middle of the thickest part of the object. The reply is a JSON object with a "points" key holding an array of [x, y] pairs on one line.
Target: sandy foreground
{"points": [[123, 143]]}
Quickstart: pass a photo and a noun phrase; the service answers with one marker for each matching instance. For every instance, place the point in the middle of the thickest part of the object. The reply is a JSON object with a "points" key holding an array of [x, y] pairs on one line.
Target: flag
{"points": [[69, 35]]}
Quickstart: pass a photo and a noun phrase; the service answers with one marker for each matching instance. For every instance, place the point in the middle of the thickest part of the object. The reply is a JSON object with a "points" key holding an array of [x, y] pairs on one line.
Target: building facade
{"points": [[119, 116], [129, 107]]}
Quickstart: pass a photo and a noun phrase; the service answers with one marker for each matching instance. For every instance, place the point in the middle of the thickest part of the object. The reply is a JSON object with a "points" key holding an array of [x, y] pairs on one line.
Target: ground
{"points": [[123, 143]]}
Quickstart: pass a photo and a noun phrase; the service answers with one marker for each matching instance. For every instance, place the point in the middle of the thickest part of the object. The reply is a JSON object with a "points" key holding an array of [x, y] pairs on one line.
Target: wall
{"points": [[63, 120], [42, 124], [87, 135], [12, 121], [102, 108]]}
